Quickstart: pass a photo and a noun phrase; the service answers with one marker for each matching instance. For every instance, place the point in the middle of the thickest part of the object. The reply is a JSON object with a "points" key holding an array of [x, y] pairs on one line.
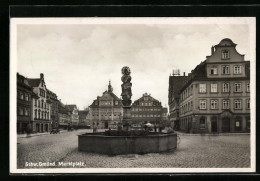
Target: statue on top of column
{"points": [[126, 86]]}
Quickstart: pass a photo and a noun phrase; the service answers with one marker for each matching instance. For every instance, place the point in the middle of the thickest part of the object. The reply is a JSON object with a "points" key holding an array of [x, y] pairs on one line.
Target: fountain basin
{"points": [[115, 145]]}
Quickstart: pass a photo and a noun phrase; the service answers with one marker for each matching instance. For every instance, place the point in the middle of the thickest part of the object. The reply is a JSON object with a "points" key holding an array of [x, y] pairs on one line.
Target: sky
{"points": [[78, 60]]}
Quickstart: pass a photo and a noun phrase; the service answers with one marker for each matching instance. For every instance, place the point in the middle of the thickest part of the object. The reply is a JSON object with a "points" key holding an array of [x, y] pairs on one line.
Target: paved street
{"points": [[193, 151]]}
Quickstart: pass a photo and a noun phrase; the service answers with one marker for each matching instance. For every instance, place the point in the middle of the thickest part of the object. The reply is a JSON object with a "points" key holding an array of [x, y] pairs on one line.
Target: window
{"points": [[20, 111], [213, 104], [35, 113], [225, 54], [202, 123], [213, 70], [225, 87], [203, 88], [225, 69], [238, 104], [26, 97], [237, 69], [39, 103], [202, 104], [26, 112], [237, 87], [225, 104], [21, 95], [146, 98], [214, 88], [35, 104], [42, 103], [248, 87], [248, 103]]}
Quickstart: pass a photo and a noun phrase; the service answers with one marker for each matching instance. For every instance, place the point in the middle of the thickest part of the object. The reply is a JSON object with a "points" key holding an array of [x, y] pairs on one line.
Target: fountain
{"points": [[125, 141]]}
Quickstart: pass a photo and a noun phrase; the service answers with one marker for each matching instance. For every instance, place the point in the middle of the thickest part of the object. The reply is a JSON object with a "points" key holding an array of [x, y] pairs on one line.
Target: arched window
{"points": [[35, 113], [39, 114], [225, 54]]}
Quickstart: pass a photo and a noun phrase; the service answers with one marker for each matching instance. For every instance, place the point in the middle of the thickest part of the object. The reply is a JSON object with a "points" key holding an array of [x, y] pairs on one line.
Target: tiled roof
{"points": [[34, 82], [71, 107], [62, 108], [115, 98], [150, 98], [83, 114], [175, 84]]}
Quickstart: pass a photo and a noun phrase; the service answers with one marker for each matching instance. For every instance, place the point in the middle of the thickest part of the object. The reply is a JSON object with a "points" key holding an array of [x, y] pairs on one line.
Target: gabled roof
{"points": [[226, 42], [83, 114], [150, 98], [70, 107], [115, 98], [199, 72], [34, 82], [175, 84]]}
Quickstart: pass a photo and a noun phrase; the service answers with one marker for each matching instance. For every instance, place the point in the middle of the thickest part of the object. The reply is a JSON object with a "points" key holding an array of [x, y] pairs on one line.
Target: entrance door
{"points": [[37, 128], [214, 127], [106, 125], [41, 127], [226, 124], [46, 127]]}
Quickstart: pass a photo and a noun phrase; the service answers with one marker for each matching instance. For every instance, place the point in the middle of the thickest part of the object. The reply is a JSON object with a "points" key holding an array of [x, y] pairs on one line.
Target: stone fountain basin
{"points": [[115, 145]]}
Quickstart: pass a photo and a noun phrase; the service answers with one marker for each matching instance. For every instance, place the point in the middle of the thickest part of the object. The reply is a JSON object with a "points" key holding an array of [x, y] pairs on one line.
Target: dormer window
{"points": [[225, 54]]}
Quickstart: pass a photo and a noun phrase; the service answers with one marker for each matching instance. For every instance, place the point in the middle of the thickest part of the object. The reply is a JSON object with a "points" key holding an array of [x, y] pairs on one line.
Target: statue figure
{"points": [[126, 86]]}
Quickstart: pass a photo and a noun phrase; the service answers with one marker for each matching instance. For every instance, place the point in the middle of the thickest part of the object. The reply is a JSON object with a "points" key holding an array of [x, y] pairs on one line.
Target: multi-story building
{"points": [[216, 97], [164, 114], [64, 116], [83, 121], [54, 105], [175, 84], [40, 107], [74, 116], [25, 95], [147, 109], [107, 110]]}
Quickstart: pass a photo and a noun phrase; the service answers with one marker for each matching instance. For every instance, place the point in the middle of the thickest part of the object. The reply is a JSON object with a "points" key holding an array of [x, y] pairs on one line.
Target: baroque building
{"points": [[147, 109], [216, 96], [40, 105], [107, 110]]}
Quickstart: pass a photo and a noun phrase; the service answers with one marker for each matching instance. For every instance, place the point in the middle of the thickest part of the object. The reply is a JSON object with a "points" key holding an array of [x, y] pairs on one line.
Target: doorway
{"points": [[214, 125], [106, 125], [226, 124]]}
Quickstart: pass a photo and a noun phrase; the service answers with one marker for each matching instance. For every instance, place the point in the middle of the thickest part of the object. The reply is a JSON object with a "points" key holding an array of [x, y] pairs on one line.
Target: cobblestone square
{"points": [[231, 151]]}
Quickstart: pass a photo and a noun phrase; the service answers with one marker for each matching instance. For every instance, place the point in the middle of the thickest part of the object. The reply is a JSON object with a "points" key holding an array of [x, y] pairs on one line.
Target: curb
{"points": [[211, 134], [47, 133]]}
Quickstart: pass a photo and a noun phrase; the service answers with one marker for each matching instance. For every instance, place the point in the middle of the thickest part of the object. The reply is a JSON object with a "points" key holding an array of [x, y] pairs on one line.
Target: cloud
{"points": [[79, 60]]}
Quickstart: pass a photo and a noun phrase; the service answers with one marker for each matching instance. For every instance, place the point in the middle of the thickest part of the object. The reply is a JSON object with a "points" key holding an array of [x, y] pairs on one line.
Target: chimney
{"points": [[212, 50], [183, 73], [41, 76]]}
